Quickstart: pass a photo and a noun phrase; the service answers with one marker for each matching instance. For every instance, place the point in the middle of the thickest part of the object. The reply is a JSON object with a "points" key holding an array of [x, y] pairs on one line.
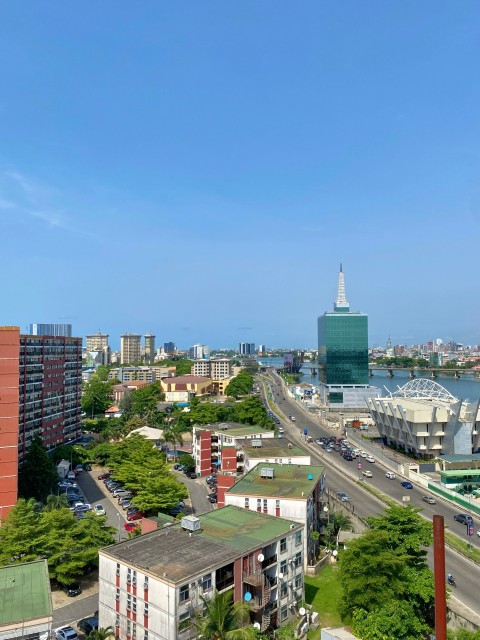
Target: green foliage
{"points": [[97, 394], [37, 475], [56, 501], [144, 401], [224, 620], [249, 411], [187, 461], [76, 454], [183, 366], [69, 545], [388, 591], [143, 470], [463, 634], [241, 385], [102, 633]]}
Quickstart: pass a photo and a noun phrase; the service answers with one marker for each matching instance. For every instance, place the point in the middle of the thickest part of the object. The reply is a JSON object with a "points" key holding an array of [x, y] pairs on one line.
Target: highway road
{"points": [[343, 476]]}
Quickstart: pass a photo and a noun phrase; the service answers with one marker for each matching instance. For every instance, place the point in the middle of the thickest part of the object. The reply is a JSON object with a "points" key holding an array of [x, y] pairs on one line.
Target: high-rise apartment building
{"points": [[98, 350], [169, 348], [246, 348], [261, 349], [130, 348], [149, 350], [40, 395], [198, 351], [64, 330], [343, 353]]}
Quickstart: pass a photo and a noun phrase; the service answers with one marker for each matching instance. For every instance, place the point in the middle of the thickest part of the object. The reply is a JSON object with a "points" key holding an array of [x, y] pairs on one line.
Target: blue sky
{"points": [[200, 169]]}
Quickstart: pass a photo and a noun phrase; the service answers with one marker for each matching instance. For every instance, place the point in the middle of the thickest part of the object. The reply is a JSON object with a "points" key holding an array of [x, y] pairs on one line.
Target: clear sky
{"points": [[200, 169]]}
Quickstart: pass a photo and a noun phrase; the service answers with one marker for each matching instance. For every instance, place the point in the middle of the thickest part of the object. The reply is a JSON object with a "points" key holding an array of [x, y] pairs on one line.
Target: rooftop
{"points": [[289, 481], [234, 429], [271, 448], [226, 533], [24, 592], [187, 379]]}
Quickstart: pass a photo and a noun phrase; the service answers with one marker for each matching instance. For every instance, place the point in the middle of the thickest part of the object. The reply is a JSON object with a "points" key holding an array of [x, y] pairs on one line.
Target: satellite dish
{"points": [[335, 553], [310, 476], [247, 597], [280, 575], [302, 611], [260, 557], [256, 625]]}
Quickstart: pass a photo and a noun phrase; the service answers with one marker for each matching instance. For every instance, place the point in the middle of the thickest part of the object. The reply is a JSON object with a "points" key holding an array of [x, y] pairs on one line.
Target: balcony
{"points": [[255, 578], [269, 561]]}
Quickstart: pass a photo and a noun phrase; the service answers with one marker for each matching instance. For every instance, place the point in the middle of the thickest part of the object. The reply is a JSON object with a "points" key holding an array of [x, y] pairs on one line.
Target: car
{"points": [[130, 526], [429, 499], [181, 503], [87, 625], [99, 510], [343, 496], [177, 466], [83, 508], [363, 454], [407, 485], [390, 475], [192, 475], [73, 589], [66, 633], [79, 468], [328, 449], [87, 467], [212, 499], [103, 476], [367, 474], [125, 501], [71, 475], [137, 515], [122, 493], [370, 459], [463, 518], [132, 509], [212, 495]]}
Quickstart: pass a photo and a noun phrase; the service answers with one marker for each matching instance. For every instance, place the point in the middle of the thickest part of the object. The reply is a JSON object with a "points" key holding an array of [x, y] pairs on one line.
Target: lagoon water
{"points": [[466, 388]]}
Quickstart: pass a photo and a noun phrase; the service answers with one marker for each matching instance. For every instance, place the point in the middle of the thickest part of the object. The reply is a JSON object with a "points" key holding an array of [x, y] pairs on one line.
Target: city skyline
{"points": [[280, 141]]}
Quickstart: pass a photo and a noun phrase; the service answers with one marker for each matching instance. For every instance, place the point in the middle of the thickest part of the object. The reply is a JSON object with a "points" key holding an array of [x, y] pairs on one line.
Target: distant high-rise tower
{"points": [[389, 343], [98, 351], [343, 352], [149, 347], [169, 348], [246, 348], [130, 348], [57, 330]]}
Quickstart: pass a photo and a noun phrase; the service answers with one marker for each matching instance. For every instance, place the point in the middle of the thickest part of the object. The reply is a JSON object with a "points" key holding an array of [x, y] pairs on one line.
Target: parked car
{"points": [[137, 515], [212, 499], [121, 492], [125, 502], [66, 633], [79, 468], [367, 473], [390, 475], [429, 499], [99, 510], [87, 467], [343, 496], [407, 485], [212, 495], [87, 625], [463, 518], [130, 526], [72, 589], [192, 475], [83, 508], [71, 475], [370, 459]]}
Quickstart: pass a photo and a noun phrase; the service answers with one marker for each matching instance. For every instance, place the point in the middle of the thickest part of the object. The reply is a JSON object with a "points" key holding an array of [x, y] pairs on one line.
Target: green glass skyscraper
{"points": [[342, 345]]}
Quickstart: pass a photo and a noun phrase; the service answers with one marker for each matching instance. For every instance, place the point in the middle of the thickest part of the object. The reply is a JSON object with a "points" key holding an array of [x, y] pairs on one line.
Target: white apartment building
{"points": [[288, 491], [150, 586], [219, 369], [133, 374]]}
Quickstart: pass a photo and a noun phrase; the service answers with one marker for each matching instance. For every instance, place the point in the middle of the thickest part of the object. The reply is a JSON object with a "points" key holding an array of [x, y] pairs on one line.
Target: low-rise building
{"points": [[214, 446], [252, 452], [151, 586], [133, 374], [25, 601], [425, 419], [294, 492], [183, 388]]}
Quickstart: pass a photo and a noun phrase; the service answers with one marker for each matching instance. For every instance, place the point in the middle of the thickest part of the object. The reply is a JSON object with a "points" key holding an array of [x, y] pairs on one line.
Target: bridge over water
{"points": [[413, 371]]}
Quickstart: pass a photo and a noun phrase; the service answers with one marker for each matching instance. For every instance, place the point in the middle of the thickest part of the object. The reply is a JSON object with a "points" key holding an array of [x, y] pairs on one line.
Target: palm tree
{"points": [[102, 633], [173, 434], [224, 620], [55, 502]]}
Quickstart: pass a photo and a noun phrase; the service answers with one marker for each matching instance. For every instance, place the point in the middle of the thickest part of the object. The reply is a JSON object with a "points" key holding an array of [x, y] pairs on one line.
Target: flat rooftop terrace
{"points": [[289, 481], [24, 592], [226, 533], [235, 429], [271, 448]]}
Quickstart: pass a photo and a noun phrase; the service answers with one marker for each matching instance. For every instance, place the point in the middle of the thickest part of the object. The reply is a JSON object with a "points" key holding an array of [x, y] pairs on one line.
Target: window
{"points": [[247, 503], [184, 621], [129, 627], [184, 593], [129, 576], [134, 630], [117, 619], [298, 538], [129, 601], [289, 461], [283, 590], [298, 559], [145, 634], [298, 581], [134, 577], [283, 567], [283, 545], [207, 582], [265, 505], [145, 584], [259, 504], [283, 613], [117, 572], [277, 504], [134, 605], [145, 610]]}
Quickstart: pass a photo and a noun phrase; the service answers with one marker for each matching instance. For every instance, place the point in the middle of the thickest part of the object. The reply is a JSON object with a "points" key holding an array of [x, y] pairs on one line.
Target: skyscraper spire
{"points": [[341, 303]]}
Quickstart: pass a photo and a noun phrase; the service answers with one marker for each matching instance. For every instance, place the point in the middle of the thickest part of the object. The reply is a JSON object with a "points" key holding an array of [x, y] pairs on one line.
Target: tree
{"points": [[38, 474], [240, 385], [395, 621], [224, 620], [187, 461], [97, 395], [58, 501], [102, 633], [145, 400], [173, 434]]}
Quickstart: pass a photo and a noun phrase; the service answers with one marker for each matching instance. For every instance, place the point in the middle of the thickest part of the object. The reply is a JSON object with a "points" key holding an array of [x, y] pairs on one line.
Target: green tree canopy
{"points": [[240, 385], [37, 475], [97, 395], [224, 620]]}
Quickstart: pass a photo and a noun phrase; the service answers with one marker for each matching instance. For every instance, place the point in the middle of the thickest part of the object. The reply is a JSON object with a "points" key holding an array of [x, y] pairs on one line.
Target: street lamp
{"points": [[119, 526]]}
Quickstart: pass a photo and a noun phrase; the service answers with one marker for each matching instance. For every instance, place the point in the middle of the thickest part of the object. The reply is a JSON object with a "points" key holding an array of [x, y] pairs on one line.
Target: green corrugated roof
{"points": [[24, 592], [460, 473], [289, 481], [242, 529]]}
